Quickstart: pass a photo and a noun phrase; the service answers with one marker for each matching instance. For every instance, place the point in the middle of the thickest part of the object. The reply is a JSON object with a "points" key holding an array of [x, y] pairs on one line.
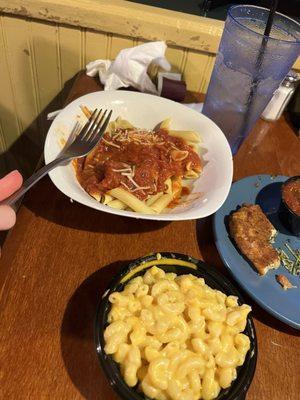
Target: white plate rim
{"points": [[185, 215]]}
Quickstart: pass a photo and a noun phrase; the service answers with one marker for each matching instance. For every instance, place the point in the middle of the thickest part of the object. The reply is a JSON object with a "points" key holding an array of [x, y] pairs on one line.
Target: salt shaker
{"points": [[281, 98]]}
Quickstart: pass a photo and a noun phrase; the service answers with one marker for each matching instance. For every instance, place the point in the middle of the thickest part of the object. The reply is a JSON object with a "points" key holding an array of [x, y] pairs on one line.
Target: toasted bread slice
{"points": [[252, 232]]}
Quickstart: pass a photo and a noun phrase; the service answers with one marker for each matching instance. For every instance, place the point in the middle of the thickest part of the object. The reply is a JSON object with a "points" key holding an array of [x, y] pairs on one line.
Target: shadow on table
{"points": [[211, 256], [77, 335], [206, 244], [46, 201]]}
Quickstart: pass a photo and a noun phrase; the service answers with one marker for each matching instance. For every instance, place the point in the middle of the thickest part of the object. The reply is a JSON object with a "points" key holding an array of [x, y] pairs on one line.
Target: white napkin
{"points": [[130, 67]]}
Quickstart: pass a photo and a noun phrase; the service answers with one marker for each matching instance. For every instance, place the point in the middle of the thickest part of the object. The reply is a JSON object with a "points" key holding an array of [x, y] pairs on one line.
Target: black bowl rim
{"points": [[108, 364], [291, 179]]}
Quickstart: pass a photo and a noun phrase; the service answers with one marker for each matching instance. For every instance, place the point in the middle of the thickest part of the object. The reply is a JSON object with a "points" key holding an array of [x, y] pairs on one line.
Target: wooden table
{"points": [[60, 256]]}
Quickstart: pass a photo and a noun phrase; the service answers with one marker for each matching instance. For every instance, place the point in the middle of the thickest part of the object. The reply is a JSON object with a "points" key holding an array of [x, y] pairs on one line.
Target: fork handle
{"points": [[32, 181]]}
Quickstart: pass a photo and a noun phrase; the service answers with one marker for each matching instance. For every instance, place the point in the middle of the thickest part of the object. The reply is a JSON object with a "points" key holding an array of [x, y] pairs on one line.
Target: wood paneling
{"points": [[197, 70], [175, 56], [43, 43], [125, 18], [16, 37], [69, 45], [118, 43], [8, 112], [96, 45], [38, 57], [47, 61]]}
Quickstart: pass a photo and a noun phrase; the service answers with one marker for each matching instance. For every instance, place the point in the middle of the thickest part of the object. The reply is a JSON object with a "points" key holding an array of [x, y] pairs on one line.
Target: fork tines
{"points": [[96, 125]]}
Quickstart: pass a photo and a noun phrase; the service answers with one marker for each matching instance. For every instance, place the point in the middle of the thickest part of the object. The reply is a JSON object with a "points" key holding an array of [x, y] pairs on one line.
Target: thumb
{"points": [[7, 217], [9, 184]]}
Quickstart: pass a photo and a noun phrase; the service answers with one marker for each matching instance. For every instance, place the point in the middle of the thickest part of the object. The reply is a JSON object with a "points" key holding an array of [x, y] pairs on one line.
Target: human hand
{"points": [[8, 185]]}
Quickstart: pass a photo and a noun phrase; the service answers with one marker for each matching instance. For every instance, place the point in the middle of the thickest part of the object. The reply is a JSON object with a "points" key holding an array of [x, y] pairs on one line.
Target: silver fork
{"points": [[84, 142]]}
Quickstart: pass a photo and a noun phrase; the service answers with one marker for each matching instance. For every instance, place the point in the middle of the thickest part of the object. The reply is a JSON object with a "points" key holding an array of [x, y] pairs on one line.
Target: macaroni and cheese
{"points": [[175, 336]]}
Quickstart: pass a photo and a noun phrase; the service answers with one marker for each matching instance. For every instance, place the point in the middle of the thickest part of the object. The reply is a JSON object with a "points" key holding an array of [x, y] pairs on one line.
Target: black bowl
{"points": [[288, 217], [214, 279]]}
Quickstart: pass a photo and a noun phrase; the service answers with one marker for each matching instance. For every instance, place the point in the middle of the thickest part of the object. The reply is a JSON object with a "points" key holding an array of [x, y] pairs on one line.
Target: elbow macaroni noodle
{"points": [[175, 336]]}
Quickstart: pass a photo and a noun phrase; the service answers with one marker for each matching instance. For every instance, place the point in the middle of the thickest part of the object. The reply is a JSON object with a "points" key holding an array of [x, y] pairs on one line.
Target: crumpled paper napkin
{"points": [[130, 67]]}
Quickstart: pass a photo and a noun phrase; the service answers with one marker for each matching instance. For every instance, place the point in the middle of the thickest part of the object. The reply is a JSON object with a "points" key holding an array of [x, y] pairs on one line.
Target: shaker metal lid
{"points": [[291, 78]]}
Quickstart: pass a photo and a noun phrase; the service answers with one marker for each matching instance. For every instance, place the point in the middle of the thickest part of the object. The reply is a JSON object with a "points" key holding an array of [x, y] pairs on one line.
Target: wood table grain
{"points": [[60, 256]]}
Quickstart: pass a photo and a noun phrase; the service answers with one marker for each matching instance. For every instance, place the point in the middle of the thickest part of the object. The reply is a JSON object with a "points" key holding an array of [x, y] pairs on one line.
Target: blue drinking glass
{"points": [[249, 67]]}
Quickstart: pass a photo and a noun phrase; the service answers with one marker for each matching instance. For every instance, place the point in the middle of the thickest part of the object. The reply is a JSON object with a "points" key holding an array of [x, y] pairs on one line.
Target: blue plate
{"points": [[265, 290]]}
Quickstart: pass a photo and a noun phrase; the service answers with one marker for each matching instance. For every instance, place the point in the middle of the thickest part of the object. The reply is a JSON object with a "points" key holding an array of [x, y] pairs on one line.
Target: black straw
{"points": [[267, 32], [272, 12]]}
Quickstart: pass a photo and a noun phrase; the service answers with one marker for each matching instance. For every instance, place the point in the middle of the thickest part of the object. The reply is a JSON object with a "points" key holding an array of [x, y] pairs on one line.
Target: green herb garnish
{"points": [[291, 264]]}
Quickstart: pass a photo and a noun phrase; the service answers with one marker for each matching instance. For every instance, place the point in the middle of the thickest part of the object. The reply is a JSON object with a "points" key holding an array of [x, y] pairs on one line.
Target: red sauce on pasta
{"points": [[139, 161], [184, 192]]}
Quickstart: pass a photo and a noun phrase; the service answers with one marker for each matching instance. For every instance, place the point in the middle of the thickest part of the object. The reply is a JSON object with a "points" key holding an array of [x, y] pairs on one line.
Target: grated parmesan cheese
{"points": [[111, 144]]}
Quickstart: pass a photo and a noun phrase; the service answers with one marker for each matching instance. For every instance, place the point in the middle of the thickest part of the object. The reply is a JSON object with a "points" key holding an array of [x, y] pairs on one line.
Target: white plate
{"points": [[146, 111]]}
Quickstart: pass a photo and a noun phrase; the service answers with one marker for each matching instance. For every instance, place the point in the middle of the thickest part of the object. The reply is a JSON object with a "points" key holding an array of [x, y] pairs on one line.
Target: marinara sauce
{"points": [[291, 195], [139, 161]]}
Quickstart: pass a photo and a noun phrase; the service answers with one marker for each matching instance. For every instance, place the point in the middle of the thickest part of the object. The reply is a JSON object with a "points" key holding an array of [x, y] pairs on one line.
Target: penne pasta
{"points": [[123, 124], [96, 196], [179, 155], [191, 174], [165, 124], [106, 198], [193, 145], [127, 170], [169, 186], [111, 127], [153, 198], [131, 200], [117, 204], [176, 187], [86, 111], [190, 136], [161, 203]]}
